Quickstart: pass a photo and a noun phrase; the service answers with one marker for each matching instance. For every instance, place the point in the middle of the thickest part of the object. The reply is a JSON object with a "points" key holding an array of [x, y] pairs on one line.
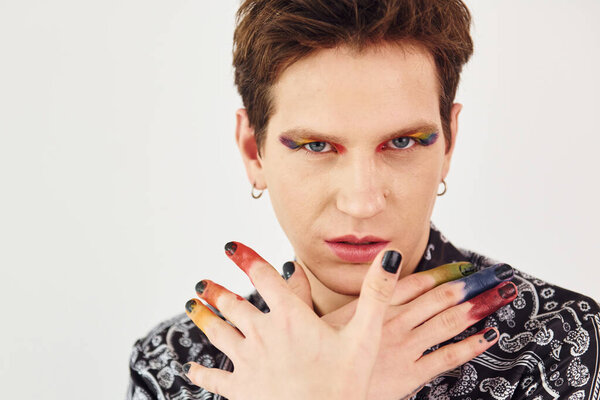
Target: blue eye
{"points": [[317, 147], [402, 142]]}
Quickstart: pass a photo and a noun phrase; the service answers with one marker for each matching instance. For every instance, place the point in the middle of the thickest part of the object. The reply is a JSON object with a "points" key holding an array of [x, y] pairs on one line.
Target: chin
{"points": [[344, 279]]}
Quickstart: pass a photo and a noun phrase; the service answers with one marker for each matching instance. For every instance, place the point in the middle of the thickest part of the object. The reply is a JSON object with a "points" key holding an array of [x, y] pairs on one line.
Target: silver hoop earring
{"points": [[254, 195], [445, 187]]}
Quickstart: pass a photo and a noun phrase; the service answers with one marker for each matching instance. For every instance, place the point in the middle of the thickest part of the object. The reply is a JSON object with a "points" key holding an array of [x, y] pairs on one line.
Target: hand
{"points": [[290, 353], [423, 313]]}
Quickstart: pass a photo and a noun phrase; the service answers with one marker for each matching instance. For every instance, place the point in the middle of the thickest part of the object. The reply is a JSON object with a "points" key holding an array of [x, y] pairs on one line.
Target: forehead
{"points": [[341, 91]]}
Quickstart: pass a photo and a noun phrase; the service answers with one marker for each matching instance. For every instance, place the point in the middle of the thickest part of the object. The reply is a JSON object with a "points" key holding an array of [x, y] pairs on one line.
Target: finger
{"points": [[214, 380], [451, 293], [375, 293], [458, 318], [222, 335], [452, 355], [416, 284], [267, 281], [236, 309], [298, 282]]}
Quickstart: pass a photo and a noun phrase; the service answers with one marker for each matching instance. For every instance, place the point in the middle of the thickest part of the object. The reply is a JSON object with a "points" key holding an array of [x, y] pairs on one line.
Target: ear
{"points": [[244, 137], [454, 111]]}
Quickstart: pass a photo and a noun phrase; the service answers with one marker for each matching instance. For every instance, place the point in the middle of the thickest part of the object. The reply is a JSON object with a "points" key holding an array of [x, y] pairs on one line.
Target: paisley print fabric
{"points": [[548, 346]]}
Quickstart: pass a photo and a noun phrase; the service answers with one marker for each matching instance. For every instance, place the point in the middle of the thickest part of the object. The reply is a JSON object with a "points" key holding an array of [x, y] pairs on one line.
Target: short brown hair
{"points": [[270, 35]]}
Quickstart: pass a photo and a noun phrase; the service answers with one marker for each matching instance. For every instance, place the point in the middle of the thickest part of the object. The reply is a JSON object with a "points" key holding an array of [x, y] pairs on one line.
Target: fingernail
{"points": [[391, 261], [503, 271], [230, 248], [186, 367], [189, 306], [490, 335], [466, 269], [200, 286], [288, 270], [508, 290]]}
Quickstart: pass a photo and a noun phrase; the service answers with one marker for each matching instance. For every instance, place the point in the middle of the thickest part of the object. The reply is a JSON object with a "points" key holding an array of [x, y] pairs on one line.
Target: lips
{"points": [[356, 250]]}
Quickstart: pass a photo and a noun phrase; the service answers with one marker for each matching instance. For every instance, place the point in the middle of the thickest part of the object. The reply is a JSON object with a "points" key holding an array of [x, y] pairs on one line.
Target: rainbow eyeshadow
{"points": [[424, 138], [293, 144]]}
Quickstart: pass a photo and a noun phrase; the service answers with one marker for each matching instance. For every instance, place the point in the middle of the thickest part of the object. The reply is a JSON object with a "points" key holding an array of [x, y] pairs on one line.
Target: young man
{"points": [[350, 122]]}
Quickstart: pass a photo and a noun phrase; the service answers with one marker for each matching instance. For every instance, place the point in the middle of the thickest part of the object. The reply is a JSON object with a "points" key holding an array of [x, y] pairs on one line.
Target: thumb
{"points": [[376, 293], [298, 282]]}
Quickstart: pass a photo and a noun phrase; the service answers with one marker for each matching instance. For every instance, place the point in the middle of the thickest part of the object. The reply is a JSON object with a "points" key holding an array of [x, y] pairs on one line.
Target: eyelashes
{"points": [[323, 147]]}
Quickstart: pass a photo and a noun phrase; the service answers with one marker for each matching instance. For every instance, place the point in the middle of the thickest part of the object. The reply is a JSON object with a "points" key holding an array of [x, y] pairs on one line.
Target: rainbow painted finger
{"points": [[268, 282], [484, 280], [243, 256], [414, 285], [449, 272], [491, 300], [201, 315], [211, 291], [456, 319]]}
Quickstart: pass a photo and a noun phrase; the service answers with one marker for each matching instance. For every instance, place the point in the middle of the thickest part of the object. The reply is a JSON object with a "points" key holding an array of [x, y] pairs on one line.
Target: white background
{"points": [[120, 182]]}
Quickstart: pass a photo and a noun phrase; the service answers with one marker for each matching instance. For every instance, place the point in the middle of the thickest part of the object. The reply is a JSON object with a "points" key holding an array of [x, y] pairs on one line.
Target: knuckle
{"points": [[450, 320], [419, 282], [380, 290], [450, 358], [447, 293], [294, 286]]}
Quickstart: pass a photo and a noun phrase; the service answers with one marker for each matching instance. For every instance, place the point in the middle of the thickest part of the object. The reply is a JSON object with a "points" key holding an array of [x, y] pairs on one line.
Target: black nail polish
{"points": [[230, 248], [490, 335], [186, 367], [200, 286], [503, 271], [507, 291], [288, 270], [466, 269], [189, 306], [391, 261]]}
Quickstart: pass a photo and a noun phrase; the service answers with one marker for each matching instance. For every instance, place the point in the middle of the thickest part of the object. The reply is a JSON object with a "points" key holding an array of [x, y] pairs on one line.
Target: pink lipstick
{"points": [[353, 249]]}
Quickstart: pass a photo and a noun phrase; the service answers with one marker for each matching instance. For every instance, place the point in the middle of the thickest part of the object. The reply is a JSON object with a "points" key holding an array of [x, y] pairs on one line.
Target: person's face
{"points": [[359, 177]]}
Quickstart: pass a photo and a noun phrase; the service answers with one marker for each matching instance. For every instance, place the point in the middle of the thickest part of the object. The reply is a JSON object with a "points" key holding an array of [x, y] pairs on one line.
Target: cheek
{"points": [[295, 196], [417, 184]]}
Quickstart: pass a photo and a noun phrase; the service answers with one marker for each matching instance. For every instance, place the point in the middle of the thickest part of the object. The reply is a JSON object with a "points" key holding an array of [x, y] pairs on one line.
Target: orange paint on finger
{"points": [[211, 291], [242, 255], [201, 315]]}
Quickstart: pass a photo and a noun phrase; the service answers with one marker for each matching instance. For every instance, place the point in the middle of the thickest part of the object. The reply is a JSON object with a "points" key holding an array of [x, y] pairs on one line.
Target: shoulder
{"points": [[157, 358]]}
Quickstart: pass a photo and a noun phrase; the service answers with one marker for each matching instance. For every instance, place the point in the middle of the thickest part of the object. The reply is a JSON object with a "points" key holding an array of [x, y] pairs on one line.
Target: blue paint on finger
{"points": [[485, 279]]}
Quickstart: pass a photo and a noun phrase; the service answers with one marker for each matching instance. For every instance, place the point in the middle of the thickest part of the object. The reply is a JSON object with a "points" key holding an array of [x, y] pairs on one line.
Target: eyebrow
{"points": [[305, 133]]}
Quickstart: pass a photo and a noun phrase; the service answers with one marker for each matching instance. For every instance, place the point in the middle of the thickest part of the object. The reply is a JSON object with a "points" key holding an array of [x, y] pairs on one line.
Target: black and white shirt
{"points": [[548, 346]]}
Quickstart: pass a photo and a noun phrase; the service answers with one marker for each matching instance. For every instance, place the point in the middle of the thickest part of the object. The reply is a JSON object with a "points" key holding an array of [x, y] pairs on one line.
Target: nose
{"points": [[361, 189]]}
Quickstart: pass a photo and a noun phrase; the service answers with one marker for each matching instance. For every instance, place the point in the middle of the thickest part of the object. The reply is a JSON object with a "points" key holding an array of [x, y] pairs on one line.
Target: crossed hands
{"points": [[371, 348]]}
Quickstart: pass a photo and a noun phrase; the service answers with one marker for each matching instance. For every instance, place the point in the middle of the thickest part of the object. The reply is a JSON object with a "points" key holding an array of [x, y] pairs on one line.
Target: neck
{"points": [[326, 300]]}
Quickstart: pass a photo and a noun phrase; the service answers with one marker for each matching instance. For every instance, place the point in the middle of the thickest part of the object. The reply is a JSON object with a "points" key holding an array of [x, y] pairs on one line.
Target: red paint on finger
{"points": [[242, 255], [491, 300], [212, 291]]}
